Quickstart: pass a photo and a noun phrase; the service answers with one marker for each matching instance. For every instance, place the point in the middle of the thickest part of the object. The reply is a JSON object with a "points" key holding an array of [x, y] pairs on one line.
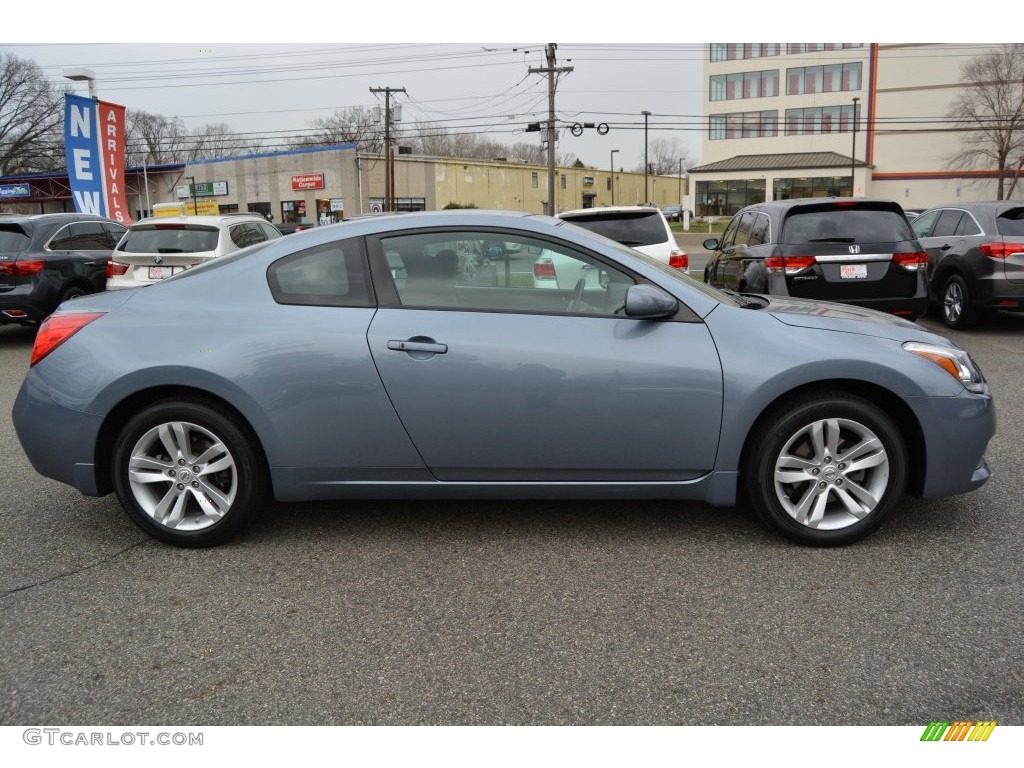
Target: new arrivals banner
{"points": [[94, 136]]}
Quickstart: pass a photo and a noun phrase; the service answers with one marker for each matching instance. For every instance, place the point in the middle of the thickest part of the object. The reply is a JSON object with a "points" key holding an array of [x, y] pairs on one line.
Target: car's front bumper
{"points": [[956, 432]]}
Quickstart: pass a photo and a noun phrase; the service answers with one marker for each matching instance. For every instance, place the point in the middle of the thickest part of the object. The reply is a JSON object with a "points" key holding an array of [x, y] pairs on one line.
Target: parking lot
{"points": [[544, 613]]}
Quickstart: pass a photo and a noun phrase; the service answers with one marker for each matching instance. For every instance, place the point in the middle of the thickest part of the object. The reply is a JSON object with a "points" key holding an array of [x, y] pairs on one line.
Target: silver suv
{"points": [[156, 248]]}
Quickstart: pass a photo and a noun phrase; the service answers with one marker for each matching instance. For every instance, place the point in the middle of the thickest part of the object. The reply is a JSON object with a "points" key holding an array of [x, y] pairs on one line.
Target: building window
{"points": [[817, 186], [824, 79], [534, 180], [563, 181], [725, 198], [744, 85], [734, 51], [816, 120], [749, 125]]}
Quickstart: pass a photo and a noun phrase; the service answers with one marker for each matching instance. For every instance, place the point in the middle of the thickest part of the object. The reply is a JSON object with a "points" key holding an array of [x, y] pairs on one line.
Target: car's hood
{"points": [[846, 318]]}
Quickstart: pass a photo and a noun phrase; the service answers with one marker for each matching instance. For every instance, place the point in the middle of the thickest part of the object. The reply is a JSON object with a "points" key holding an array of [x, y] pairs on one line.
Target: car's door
{"points": [[507, 382], [943, 243], [734, 253], [81, 249]]}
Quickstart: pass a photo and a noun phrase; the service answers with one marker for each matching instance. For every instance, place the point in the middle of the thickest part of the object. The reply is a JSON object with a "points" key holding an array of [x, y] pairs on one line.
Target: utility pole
{"points": [[551, 70], [389, 158]]}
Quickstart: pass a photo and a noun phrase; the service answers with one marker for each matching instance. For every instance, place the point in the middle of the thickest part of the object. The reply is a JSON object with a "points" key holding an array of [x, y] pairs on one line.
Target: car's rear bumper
{"points": [[37, 417]]}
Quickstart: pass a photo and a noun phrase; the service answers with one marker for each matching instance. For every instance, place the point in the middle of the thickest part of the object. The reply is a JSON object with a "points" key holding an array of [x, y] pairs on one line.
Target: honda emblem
{"points": [[854, 249]]}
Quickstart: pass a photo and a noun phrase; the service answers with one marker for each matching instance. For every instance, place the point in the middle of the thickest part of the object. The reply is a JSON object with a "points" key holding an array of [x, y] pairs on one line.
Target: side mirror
{"points": [[649, 302], [711, 244]]}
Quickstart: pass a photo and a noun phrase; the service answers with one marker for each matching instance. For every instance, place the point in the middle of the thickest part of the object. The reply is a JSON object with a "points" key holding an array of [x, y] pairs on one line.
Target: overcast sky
{"points": [[320, 61]]}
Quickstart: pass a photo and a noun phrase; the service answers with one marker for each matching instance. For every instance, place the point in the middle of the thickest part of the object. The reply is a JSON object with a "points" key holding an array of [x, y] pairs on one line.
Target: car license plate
{"points": [[159, 273], [853, 271]]}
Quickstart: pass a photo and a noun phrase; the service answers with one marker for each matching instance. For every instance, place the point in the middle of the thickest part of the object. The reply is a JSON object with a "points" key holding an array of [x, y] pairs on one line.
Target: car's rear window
{"points": [[1011, 223], [13, 238], [632, 229], [845, 225], [170, 239]]}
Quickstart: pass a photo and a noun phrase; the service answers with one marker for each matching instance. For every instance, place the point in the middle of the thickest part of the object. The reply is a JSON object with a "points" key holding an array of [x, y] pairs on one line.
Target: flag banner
{"points": [[94, 142]]}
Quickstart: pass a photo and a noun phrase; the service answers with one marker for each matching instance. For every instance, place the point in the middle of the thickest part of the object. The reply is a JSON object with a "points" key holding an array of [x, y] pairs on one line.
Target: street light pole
{"points": [[611, 164], [195, 202], [82, 73], [853, 151], [647, 194]]}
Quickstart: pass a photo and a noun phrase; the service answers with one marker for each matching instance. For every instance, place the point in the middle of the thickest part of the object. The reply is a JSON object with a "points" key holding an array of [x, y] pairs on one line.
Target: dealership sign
{"points": [[202, 189], [94, 136], [308, 181], [15, 190]]}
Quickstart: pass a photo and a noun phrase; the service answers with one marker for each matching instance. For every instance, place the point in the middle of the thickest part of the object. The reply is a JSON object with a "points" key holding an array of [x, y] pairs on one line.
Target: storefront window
{"points": [[813, 186], [725, 198]]}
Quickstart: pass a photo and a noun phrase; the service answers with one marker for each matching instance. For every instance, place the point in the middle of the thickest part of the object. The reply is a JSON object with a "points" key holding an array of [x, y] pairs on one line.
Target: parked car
{"points": [[291, 227], [304, 368], [156, 248], [674, 213], [858, 251], [48, 258], [638, 226], [975, 259]]}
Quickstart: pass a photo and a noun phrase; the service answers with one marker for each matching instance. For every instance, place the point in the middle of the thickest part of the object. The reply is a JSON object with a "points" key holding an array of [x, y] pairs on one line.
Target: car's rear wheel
{"points": [[73, 292], [188, 473], [957, 312], [825, 469]]}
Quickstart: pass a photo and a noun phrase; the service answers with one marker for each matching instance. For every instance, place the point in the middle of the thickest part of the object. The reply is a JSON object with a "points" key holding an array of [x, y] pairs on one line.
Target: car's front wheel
{"points": [[825, 469], [188, 473]]}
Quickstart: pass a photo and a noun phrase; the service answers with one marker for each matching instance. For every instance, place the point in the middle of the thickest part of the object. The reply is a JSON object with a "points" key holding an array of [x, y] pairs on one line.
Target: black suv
{"points": [[852, 250], [48, 258], [975, 259]]}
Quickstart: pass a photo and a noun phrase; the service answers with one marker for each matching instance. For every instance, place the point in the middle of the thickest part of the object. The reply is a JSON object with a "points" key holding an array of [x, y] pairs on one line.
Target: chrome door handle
{"points": [[417, 346]]}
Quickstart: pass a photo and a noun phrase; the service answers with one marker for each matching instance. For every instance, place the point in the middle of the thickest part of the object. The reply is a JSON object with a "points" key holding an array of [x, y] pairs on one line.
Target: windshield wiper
{"points": [[747, 300], [832, 240]]}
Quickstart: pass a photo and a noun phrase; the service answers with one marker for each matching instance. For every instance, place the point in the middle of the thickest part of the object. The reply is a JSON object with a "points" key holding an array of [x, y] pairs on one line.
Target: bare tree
{"points": [[31, 119], [219, 140], [666, 156], [352, 125], [156, 140], [990, 109]]}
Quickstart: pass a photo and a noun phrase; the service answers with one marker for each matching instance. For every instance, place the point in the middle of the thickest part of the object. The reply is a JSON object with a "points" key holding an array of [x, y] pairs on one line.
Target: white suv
{"points": [[156, 248], [642, 228]]}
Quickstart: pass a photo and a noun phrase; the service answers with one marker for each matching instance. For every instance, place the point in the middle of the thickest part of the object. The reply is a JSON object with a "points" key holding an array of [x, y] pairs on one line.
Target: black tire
{"points": [[73, 292], [955, 304], [185, 490], [827, 500]]}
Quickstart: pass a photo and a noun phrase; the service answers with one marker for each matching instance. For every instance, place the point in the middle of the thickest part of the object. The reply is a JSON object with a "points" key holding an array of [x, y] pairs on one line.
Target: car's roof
{"points": [[54, 216], [981, 205], [609, 209], [224, 218]]}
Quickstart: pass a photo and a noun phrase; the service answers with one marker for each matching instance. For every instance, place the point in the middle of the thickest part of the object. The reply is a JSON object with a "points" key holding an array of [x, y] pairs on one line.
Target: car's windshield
{"points": [[1011, 223], [13, 238], [170, 239], [845, 225], [628, 228]]}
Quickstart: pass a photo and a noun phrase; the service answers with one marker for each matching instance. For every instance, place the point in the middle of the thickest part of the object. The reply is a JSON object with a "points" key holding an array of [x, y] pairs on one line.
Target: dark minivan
{"points": [[48, 258], [852, 250]]}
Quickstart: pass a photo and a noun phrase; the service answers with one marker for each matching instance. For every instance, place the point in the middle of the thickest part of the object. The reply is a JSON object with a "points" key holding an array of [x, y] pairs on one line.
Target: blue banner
{"points": [[15, 190], [82, 149]]}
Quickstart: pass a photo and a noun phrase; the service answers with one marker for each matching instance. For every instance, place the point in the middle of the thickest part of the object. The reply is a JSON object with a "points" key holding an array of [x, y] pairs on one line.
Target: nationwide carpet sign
{"points": [[94, 137]]}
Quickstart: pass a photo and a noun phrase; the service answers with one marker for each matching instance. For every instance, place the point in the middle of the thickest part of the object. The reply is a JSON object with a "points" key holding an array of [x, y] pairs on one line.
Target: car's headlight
{"points": [[956, 362]]}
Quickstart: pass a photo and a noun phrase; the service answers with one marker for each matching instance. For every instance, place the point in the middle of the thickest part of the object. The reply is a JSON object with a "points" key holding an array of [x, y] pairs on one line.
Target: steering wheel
{"points": [[576, 300]]}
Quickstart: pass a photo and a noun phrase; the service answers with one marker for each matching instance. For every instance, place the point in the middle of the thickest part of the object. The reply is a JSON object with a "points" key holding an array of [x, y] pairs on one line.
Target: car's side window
{"points": [[967, 226], [504, 272], [947, 223], [240, 235], [63, 240], [113, 234], [743, 228], [80, 236], [729, 236], [331, 275], [922, 225], [760, 230]]}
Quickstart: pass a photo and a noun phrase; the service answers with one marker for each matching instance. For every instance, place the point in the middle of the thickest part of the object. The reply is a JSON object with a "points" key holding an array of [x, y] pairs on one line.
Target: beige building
{"points": [[789, 120]]}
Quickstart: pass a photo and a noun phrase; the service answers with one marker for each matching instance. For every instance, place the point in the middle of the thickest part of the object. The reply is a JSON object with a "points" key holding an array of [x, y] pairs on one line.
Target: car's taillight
{"points": [[1001, 250], [116, 268], [22, 267], [544, 270], [679, 260], [791, 265], [56, 329], [911, 262]]}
